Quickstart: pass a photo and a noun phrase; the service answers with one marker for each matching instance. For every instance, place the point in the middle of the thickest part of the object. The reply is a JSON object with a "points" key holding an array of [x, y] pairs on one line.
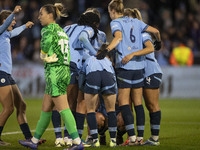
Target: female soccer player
{"points": [[152, 81], [152, 71], [10, 95], [100, 78], [129, 71], [80, 37], [56, 57]]}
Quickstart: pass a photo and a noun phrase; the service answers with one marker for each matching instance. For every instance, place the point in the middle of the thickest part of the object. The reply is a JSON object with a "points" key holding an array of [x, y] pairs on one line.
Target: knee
{"points": [[8, 111], [153, 107]]}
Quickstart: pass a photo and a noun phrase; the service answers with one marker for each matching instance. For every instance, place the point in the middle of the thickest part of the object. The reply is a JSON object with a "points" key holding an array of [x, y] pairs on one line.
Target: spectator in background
{"points": [[181, 56]]}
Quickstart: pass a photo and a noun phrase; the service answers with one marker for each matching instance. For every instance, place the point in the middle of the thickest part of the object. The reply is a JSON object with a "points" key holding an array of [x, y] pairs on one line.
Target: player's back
{"points": [[131, 30]]}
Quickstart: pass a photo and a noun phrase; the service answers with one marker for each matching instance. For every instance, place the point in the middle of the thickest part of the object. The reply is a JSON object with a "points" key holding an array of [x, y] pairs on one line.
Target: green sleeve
{"points": [[47, 38]]}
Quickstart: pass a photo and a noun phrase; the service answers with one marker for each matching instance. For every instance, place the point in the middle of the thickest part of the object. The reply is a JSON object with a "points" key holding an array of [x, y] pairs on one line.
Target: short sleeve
{"points": [[146, 37], [89, 31], [115, 26]]}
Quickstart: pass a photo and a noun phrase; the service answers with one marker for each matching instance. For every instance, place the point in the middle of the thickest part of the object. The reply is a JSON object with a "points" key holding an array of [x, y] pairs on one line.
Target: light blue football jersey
{"points": [[92, 64], [151, 64], [5, 48], [76, 46], [131, 29], [96, 43]]}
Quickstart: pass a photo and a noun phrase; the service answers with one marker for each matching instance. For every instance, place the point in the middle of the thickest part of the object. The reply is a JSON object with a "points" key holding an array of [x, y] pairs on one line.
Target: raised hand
{"points": [[29, 24], [17, 9]]}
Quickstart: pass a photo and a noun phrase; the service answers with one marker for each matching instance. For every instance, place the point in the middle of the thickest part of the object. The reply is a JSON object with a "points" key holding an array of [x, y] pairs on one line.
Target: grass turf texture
{"points": [[180, 127]]}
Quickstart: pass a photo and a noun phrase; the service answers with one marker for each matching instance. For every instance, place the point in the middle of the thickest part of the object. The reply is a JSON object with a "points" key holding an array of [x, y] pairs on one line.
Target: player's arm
{"points": [[47, 38], [117, 39], [83, 37], [148, 49], [9, 20], [17, 31], [156, 33]]}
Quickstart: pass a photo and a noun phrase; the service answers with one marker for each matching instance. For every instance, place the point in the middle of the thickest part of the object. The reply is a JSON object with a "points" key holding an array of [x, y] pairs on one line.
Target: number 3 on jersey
{"points": [[64, 48]]}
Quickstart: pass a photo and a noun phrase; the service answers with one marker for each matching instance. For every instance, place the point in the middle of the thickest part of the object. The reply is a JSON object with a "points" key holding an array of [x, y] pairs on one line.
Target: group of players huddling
{"points": [[86, 77]]}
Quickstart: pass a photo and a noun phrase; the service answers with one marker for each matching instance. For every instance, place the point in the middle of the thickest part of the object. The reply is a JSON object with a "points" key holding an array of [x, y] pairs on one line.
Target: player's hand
{"points": [[29, 24], [157, 45], [102, 54], [17, 9], [51, 59], [127, 58]]}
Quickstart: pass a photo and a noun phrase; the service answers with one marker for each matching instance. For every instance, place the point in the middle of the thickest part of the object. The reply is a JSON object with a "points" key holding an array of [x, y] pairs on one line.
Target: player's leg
{"points": [[110, 101], [90, 100], [80, 113], [136, 95], [21, 112], [6, 100], [42, 124], [123, 98], [124, 82], [56, 121], [151, 97]]}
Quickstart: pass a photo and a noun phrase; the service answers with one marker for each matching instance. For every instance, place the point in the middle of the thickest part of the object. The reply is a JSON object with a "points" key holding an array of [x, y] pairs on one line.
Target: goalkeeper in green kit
{"points": [[56, 56]]}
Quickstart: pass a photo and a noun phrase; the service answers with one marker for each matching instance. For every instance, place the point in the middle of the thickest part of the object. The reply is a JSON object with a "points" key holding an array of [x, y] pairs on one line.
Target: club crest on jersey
{"points": [[148, 80], [3, 80]]}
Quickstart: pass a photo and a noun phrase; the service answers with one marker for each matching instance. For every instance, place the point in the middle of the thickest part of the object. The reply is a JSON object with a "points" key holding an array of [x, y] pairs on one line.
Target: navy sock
{"points": [[120, 133], [128, 119], [66, 134], [140, 120], [92, 123], [155, 118], [1, 129], [56, 120], [25, 130], [112, 124], [80, 119]]}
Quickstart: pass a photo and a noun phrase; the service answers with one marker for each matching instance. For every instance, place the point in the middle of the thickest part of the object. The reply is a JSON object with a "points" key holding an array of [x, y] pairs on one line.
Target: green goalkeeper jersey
{"points": [[55, 40]]}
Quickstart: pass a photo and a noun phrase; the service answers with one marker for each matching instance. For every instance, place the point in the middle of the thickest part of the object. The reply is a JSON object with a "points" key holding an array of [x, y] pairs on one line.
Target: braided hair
{"points": [[90, 19]]}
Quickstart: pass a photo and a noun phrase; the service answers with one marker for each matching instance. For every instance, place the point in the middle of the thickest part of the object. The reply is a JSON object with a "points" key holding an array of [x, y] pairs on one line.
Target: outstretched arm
{"points": [[9, 20], [18, 30]]}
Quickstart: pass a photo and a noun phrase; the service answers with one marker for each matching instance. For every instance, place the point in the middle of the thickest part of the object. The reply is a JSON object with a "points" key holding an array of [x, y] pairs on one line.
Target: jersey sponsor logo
{"points": [[3, 80], [148, 80]]}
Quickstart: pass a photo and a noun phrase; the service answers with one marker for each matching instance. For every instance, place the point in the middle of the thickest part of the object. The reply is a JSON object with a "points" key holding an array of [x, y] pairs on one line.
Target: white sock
{"points": [[139, 138], [132, 138], [34, 140], [94, 140], [155, 138], [113, 139], [77, 141]]}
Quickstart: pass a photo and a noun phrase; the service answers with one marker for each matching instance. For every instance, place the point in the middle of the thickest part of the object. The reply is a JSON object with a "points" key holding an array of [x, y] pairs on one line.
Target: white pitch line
{"points": [[50, 129], [19, 132]]}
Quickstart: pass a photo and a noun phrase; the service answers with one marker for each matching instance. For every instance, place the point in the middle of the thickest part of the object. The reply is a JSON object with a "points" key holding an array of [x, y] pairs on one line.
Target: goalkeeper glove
{"points": [[50, 59]]}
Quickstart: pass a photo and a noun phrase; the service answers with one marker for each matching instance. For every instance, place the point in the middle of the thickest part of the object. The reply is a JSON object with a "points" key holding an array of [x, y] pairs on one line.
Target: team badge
{"points": [[3, 80], [148, 80]]}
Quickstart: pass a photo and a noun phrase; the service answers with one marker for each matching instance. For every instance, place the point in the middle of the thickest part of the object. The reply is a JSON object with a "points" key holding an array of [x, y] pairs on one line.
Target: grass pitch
{"points": [[180, 127]]}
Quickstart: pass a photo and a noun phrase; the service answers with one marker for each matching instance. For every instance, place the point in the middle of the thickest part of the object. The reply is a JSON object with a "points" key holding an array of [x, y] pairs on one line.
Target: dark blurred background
{"points": [[177, 20]]}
